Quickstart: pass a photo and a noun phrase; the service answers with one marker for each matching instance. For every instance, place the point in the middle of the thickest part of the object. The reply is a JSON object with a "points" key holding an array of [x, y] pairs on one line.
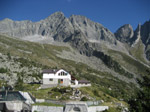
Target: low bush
{"points": [[95, 92], [84, 99], [3, 70]]}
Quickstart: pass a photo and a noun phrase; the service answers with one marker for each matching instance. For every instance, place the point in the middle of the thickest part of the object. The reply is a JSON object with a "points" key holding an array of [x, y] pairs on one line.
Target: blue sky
{"points": [[110, 13]]}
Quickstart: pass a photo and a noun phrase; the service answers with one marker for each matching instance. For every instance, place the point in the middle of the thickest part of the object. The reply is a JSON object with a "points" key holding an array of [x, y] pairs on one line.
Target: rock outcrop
{"points": [[145, 36], [124, 33], [94, 32]]}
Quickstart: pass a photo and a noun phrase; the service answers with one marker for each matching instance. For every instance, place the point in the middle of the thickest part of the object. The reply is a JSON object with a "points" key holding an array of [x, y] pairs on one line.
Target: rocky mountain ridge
{"points": [[53, 25], [126, 34], [59, 28], [88, 38]]}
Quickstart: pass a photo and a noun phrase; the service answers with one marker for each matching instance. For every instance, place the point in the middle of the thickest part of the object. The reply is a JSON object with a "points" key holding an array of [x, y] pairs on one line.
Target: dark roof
{"points": [[83, 81], [50, 70], [73, 78], [11, 96]]}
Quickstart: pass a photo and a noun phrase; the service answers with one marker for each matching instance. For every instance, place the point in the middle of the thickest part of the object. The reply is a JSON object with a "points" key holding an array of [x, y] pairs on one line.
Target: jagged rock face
{"points": [[79, 31], [48, 27], [137, 35], [80, 42], [145, 37], [142, 33], [17, 28], [94, 32], [58, 27], [124, 33], [145, 33], [141, 36], [54, 25]]}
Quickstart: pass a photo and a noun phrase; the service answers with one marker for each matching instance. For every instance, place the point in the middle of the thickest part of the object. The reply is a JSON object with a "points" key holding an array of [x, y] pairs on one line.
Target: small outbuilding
{"points": [[15, 101]]}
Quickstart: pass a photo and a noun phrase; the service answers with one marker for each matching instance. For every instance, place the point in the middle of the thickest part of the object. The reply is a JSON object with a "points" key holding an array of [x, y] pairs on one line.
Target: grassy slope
{"points": [[129, 63], [138, 51], [45, 55]]}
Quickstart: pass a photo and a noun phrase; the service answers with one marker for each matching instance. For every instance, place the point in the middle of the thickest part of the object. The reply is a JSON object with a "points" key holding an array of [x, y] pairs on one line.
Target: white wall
{"points": [[60, 109], [47, 109], [14, 105], [27, 96], [55, 77], [52, 75], [97, 108], [76, 82]]}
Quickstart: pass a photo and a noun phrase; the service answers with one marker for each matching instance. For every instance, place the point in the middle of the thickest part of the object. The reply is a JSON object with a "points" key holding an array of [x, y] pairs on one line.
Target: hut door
{"points": [[60, 81]]}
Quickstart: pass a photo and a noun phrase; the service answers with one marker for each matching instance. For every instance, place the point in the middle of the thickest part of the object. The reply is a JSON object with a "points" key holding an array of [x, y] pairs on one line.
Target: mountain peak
{"points": [[57, 15], [139, 26], [7, 20], [145, 32], [124, 33]]}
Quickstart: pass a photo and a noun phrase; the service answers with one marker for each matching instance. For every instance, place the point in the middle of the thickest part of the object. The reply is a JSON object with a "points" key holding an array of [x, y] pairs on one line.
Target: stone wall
{"points": [[76, 106], [16, 106], [58, 102], [68, 108], [12, 105], [47, 109], [89, 103], [97, 108], [40, 100], [80, 85]]}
